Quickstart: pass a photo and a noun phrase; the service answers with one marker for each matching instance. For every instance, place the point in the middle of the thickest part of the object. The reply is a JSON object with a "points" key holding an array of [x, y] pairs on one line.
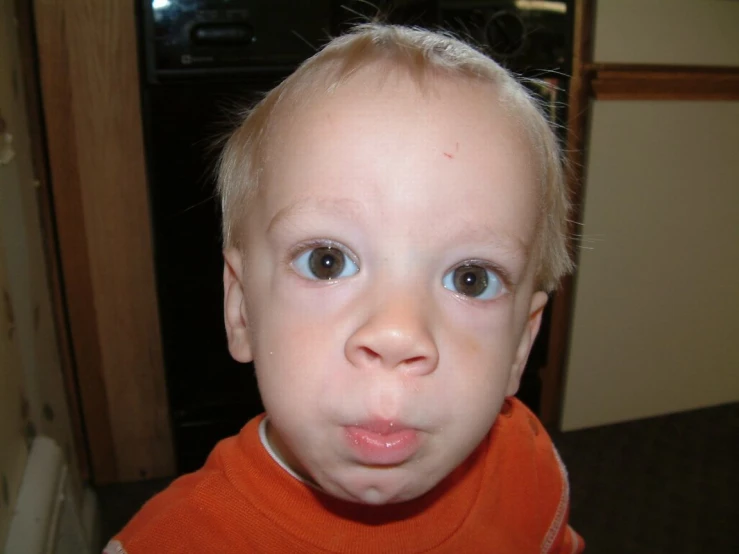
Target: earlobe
{"points": [[234, 308], [538, 301]]}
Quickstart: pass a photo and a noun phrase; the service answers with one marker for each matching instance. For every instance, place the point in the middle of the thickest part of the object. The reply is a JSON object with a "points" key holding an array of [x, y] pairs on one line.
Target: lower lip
{"points": [[383, 449]]}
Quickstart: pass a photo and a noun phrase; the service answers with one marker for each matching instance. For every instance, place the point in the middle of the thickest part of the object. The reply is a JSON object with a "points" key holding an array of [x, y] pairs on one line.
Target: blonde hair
{"points": [[422, 53]]}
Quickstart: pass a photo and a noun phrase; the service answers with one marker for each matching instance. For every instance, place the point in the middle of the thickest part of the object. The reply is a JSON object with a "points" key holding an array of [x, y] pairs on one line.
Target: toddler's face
{"points": [[385, 291]]}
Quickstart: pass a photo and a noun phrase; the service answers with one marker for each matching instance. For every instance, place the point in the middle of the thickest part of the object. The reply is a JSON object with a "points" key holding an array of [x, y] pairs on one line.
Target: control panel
{"points": [[191, 36], [187, 37]]}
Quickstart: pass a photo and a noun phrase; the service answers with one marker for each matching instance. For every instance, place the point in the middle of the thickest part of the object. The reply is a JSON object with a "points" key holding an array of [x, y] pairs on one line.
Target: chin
{"points": [[380, 486], [381, 495]]}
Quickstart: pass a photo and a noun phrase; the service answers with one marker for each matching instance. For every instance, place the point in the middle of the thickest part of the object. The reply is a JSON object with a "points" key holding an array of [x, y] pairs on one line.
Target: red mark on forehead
{"points": [[451, 156]]}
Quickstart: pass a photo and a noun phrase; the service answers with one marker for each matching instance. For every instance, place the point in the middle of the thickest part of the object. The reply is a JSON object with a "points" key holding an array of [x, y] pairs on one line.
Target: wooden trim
{"points": [[582, 35], [592, 68], [89, 79], [57, 91], [552, 375], [633, 82], [24, 14]]}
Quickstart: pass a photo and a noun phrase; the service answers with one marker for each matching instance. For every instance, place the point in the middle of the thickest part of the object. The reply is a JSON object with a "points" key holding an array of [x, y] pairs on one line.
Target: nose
{"points": [[395, 335]]}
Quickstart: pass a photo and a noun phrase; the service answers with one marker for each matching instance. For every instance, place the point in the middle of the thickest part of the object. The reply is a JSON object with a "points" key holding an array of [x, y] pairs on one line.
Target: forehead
{"points": [[446, 148]]}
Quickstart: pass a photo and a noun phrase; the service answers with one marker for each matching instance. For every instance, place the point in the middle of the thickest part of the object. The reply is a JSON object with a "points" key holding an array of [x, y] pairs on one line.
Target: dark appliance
{"points": [[200, 59]]}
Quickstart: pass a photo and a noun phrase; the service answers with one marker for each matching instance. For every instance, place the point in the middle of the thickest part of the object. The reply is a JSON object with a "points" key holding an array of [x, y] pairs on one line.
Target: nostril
{"points": [[419, 365], [392, 347], [369, 354]]}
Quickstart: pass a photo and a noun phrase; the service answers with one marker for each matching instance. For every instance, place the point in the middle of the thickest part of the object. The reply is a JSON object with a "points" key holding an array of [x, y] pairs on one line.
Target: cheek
{"points": [[296, 345], [286, 313], [479, 352], [286, 361], [471, 345], [485, 337], [289, 349]]}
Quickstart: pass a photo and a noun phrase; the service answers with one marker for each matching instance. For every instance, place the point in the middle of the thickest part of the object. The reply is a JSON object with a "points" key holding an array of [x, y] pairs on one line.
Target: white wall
{"points": [[32, 394], [680, 32], [656, 319], [13, 448], [656, 314]]}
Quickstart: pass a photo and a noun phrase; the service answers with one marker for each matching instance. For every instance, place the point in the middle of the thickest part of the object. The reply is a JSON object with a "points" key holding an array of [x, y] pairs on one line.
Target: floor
{"points": [[667, 484], [663, 485]]}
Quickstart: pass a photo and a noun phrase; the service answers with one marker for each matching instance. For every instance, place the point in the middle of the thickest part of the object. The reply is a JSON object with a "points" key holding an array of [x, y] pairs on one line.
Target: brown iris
{"points": [[470, 280], [326, 262]]}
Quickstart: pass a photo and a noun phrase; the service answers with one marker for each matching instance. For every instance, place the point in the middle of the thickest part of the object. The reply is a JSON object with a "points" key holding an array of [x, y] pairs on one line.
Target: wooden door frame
{"points": [[89, 86]]}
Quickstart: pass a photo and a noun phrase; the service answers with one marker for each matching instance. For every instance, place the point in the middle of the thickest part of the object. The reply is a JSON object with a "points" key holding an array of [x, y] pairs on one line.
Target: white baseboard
{"points": [[46, 520]]}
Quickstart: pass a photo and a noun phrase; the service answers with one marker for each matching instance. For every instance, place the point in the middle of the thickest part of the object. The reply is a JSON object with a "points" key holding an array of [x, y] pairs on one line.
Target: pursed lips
{"points": [[382, 442]]}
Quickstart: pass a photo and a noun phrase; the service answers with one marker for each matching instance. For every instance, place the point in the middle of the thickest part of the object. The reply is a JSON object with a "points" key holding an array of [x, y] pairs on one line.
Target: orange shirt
{"points": [[510, 496]]}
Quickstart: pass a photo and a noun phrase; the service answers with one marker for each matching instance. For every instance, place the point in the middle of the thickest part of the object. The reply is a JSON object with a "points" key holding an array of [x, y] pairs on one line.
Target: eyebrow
{"points": [[472, 231], [353, 209], [462, 231]]}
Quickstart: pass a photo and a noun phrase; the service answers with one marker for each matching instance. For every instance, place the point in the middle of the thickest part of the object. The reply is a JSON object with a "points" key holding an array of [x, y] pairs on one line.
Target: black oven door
{"points": [[211, 396]]}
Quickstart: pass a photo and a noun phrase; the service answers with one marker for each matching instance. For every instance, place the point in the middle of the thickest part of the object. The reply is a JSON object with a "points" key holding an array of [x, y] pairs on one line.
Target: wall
{"points": [[680, 32], [32, 392], [654, 327], [13, 448]]}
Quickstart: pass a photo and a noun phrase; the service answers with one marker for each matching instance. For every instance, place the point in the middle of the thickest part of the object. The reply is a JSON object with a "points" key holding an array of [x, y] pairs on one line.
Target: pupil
{"points": [[470, 280], [326, 263]]}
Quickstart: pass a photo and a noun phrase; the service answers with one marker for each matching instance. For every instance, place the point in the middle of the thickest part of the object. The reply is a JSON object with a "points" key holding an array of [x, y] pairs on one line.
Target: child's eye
{"points": [[474, 281], [324, 263]]}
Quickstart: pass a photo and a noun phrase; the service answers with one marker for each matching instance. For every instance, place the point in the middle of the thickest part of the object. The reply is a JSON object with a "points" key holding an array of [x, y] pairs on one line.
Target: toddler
{"points": [[394, 214]]}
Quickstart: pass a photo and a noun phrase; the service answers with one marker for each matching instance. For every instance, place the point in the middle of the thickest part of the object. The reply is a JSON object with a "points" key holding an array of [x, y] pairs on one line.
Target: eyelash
{"points": [[498, 273], [501, 272], [319, 243]]}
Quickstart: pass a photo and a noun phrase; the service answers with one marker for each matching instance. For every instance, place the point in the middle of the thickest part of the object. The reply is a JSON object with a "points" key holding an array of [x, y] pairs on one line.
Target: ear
{"points": [[531, 329], [234, 307]]}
